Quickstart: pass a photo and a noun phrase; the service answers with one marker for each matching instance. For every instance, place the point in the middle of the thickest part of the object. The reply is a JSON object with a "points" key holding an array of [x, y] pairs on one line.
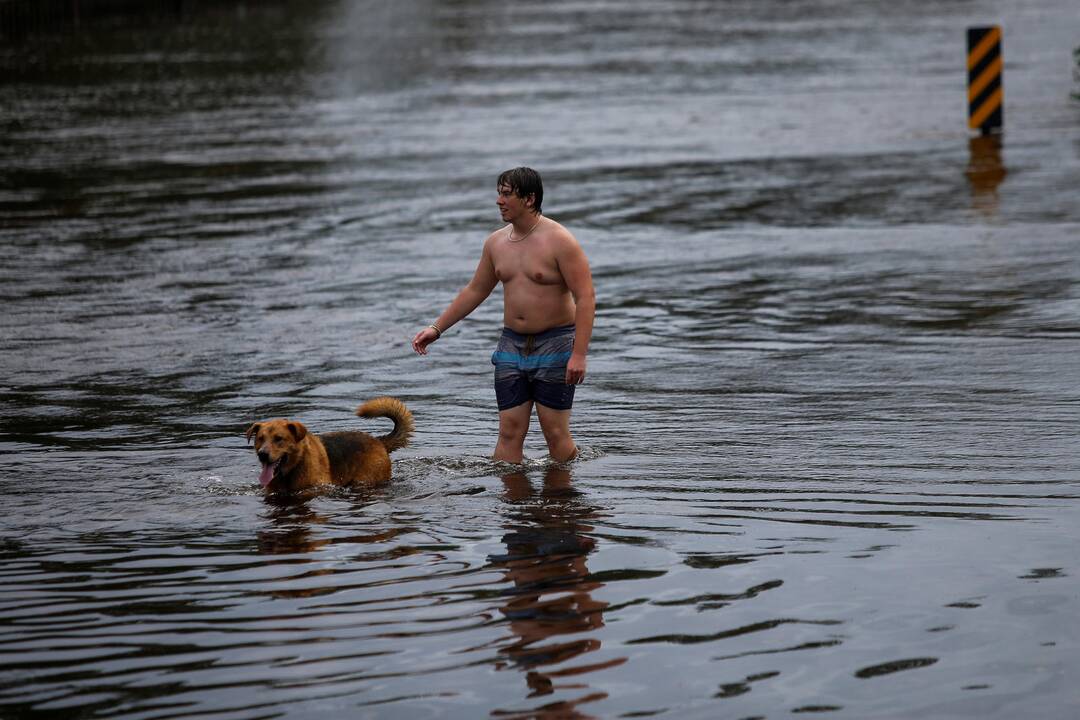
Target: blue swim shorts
{"points": [[533, 367]]}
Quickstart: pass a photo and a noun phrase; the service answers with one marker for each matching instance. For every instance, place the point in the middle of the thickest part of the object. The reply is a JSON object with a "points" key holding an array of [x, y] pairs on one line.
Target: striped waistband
{"points": [[530, 362]]}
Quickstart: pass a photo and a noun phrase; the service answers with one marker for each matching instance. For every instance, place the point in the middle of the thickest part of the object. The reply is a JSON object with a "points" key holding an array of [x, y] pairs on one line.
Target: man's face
{"points": [[511, 206]]}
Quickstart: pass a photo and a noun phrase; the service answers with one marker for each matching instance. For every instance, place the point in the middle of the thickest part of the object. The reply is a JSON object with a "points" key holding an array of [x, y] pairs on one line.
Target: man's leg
{"points": [[556, 427], [513, 426]]}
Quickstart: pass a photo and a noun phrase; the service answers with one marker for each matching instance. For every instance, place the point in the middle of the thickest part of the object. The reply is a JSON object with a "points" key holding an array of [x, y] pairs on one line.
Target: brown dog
{"points": [[294, 459]]}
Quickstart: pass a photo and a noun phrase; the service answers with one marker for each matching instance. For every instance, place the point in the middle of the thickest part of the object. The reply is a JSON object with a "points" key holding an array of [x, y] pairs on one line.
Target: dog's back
{"points": [[360, 457], [355, 457]]}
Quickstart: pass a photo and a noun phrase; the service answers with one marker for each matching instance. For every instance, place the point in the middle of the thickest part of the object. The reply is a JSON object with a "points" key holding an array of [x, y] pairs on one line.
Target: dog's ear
{"points": [[251, 431], [299, 432]]}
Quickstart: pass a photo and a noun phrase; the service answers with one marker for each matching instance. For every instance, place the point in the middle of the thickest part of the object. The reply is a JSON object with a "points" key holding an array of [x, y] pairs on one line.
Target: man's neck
{"points": [[526, 222], [522, 228]]}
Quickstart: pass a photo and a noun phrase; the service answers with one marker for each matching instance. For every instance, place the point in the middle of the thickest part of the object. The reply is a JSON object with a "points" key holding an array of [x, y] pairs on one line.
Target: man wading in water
{"points": [[548, 309]]}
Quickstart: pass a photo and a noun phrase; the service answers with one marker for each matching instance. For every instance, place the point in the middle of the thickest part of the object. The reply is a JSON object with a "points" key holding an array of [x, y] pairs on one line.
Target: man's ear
{"points": [[530, 200]]}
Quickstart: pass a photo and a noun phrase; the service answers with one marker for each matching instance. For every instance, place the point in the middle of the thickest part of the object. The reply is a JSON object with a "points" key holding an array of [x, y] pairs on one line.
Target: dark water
{"points": [[830, 462]]}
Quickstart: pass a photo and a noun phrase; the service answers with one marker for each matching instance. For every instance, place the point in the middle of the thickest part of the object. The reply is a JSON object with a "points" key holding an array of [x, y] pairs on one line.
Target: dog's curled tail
{"points": [[396, 411]]}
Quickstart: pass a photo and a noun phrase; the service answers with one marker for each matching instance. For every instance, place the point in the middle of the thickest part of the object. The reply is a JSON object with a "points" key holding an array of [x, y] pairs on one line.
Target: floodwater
{"points": [[829, 465]]}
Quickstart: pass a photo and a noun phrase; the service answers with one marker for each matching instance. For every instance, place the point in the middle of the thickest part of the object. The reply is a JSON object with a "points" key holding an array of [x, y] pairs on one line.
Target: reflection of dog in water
{"points": [[294, 459]]}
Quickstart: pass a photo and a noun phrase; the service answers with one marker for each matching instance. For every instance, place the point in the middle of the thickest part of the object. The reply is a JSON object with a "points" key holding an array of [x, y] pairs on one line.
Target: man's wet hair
{"points": [[524, 182]]}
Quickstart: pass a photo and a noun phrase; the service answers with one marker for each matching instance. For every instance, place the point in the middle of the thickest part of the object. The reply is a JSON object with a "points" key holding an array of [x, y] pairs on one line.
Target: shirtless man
{"points": [[548, 309]]}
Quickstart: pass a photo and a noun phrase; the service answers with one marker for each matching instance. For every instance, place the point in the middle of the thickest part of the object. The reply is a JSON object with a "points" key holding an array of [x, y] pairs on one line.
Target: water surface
{"points": [[829, 462]]}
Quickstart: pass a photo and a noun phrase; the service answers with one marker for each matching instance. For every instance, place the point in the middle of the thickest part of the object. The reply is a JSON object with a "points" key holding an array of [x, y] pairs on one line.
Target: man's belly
{"points": [[532, 314]]}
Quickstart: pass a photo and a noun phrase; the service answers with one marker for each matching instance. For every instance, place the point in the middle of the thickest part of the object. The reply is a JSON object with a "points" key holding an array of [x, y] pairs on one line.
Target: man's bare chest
{"points": [[527, 265]]}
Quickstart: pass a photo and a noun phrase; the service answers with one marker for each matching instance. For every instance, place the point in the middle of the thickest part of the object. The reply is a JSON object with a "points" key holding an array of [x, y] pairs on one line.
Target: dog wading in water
{"points": [[549, 304], [295, 459]]}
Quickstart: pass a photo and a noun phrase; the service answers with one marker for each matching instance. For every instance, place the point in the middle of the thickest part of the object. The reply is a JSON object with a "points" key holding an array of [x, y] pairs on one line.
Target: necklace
{"points": [[510, 236]]}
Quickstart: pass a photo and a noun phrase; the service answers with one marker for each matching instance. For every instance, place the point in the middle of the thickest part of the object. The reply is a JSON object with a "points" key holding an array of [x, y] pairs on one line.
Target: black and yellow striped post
{"points": [[985, 90]]}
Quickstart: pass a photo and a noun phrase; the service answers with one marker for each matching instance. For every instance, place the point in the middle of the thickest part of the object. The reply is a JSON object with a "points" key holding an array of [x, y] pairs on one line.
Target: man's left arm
{"points": [[574, 266]]}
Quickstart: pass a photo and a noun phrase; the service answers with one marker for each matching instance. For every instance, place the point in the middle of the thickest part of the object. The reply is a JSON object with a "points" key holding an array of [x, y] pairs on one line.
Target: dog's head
{"points": [[278, 447]]}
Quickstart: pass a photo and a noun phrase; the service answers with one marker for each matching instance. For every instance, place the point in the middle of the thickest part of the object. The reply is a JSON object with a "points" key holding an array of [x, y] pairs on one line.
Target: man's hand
{"points": [[575, 370], [424, 338]]}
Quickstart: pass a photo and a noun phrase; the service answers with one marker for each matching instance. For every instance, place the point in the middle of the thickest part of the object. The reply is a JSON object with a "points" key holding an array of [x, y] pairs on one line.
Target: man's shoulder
{"points": [[494, 235], [558, 232], [562, 240]]}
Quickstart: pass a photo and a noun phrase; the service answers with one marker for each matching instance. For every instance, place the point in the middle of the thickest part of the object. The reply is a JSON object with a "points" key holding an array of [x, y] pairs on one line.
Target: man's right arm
{"points": [[483, 282]]}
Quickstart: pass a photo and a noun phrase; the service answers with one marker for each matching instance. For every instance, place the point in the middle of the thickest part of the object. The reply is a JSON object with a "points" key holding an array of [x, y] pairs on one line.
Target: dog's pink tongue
{"points": [[266, 475]]}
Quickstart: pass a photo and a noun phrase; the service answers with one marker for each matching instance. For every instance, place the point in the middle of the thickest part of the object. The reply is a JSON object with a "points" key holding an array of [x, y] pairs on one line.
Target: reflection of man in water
{"points": [[551, 597], [548, 309]]}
